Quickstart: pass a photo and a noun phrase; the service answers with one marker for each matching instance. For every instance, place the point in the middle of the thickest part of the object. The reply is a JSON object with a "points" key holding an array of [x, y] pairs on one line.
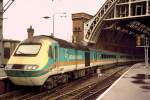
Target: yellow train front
{"points": [[29, 64], [45, 59]]}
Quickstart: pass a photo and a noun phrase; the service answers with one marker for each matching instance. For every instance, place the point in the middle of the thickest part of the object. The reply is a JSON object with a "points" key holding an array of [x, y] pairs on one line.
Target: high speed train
{"points": [[47, 61]]}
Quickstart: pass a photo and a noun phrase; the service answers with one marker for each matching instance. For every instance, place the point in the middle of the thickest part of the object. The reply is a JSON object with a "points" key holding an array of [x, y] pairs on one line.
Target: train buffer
{"points": [[3, 80], [2, 73], [132, 85]]}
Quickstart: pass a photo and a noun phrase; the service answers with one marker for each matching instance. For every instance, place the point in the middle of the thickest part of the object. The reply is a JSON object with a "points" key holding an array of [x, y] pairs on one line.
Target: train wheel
{"points": [[49, 84], [76, 74], [65, 78], [82, 73]]}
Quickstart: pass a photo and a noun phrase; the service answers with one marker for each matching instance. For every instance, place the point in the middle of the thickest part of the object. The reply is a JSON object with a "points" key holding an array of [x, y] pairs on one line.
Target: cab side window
{"points": [[50, 53]]}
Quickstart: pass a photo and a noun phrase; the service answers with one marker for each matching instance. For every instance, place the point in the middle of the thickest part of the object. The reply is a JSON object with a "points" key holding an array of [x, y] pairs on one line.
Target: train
{"points": [[47, 61]]}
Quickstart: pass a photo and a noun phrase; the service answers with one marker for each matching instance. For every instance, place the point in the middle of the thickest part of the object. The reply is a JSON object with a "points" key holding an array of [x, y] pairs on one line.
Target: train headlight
{"points": [[8, 66], [30, 67], [34, 67]]}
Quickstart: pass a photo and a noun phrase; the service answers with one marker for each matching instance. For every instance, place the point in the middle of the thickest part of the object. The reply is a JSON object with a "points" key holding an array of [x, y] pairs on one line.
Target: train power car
{"points": [[46, 61]]}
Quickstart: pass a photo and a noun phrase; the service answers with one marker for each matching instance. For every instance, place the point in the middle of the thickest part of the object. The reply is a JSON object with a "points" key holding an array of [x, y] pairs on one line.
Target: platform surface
{"points": [[132, 85]]}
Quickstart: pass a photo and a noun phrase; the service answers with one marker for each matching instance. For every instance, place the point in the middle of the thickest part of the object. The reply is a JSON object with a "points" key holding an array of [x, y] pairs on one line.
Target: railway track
{"points": [[58, 90], [17, 94], [12, 94], [83, 88], [24, 94], [94, 92], [79, 88], [88, 89]]}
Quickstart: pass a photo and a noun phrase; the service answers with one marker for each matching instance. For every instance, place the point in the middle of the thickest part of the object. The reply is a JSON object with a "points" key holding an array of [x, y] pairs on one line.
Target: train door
{"points": [[95, 56], [87, 58], [76, 60], [56, 55]]}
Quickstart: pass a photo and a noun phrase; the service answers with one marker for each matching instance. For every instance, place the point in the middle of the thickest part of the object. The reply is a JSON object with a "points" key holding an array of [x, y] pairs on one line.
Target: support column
{"points": [[146, 52], [147, 7], [115, 13], [129, 8], [1, 47], [1, 33]]}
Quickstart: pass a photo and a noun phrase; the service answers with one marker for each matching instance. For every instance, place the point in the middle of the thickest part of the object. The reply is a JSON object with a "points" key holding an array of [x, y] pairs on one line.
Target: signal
{"points": [[138, 40]]}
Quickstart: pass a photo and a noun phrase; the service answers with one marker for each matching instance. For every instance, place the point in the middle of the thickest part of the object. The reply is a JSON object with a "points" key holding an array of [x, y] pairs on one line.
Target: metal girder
{"points": [[91, 27], [7, 5], [3, 9], [139, 27], [115, 10]]}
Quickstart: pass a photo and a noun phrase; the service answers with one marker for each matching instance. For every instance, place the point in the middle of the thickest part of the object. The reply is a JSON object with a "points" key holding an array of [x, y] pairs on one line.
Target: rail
{"points": [[80, 93]]}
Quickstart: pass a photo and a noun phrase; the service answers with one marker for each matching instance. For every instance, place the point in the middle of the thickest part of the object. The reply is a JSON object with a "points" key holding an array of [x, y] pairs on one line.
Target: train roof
{"points": [[67, 44]]}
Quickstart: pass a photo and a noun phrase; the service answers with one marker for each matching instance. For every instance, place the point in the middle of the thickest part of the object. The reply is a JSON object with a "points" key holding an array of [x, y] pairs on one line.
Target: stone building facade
{"points": [[8, 48], [78, 26]]}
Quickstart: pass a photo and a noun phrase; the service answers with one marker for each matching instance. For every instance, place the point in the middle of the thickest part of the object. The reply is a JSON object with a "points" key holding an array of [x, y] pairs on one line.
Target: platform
{"points": [[132, 85]]}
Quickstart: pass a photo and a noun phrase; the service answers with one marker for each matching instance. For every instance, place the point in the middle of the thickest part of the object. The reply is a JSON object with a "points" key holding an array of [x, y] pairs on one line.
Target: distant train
{"points": [[46, 61]]}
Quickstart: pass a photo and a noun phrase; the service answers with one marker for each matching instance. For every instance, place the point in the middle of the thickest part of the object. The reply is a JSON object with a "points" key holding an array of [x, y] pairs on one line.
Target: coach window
{"points": [[102, 56], [95, 56]]}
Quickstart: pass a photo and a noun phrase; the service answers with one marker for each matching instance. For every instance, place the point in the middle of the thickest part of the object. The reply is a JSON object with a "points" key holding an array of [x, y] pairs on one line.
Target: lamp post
{"points": [[53, 20], [1, 40]]}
